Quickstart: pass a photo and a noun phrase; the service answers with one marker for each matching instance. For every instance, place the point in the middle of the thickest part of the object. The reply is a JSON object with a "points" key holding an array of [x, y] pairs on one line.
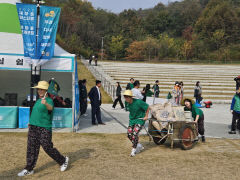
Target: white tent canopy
{"points": [[16, 78], [11, 49]]}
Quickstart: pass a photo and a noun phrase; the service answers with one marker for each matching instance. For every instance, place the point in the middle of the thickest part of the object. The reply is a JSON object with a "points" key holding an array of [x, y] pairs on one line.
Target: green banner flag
{"points": [[53, 88]]}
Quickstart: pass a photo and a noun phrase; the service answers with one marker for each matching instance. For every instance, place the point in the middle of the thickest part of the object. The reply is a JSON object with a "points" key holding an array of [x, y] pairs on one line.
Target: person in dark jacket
{"points": [[118, 95], [130, 85], [83, 96], [95, 98], [198, 92], [96, 59], [148, 92], [156, 88], [235, 110]]}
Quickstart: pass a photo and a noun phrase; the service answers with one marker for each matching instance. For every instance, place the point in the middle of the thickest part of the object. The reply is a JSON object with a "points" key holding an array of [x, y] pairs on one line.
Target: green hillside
{"points": [[9, 19]]}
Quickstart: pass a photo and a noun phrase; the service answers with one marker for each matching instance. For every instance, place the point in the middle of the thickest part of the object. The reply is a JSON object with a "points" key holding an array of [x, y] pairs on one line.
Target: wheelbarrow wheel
{"points": [[159, 139], [187, 137]]}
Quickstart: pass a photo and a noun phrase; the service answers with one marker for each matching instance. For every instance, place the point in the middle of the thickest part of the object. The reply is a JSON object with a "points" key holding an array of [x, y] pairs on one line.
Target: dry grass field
{"points": [[102, 156]]}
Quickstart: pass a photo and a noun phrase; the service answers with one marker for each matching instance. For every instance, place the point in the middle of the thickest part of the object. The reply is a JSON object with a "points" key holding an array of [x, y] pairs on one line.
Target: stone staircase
{"points": [[216, 80]]}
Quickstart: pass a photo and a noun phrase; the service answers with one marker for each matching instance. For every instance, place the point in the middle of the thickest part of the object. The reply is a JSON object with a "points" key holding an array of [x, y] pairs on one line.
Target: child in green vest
{"points": [[235, 110]]}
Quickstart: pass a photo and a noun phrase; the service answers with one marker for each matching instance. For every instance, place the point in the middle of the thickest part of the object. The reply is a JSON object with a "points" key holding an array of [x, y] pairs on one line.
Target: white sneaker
{"points": [[113, 108], [25, 173], [133, 152], [65, 164], [139, 148], [85, 115], [123, 109]]}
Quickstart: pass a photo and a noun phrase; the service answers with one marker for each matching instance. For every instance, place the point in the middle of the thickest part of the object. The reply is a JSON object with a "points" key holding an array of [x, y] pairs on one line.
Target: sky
{"points": [[117, 6]]}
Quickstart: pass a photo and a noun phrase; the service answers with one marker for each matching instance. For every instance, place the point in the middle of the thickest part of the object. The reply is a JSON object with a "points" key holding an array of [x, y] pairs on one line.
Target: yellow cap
{"points": [[128, 93], [42, 85]]}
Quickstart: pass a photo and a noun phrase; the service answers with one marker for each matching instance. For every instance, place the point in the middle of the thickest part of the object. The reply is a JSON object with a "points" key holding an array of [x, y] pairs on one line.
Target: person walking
{"points": [[96, 59], [95, 98], [198, 92], [118, 95], [136, 92], [181, 91], [235, 110], [40, 132], [176, 93], [148, 92], [156, 88], [83, 97], [138, 114], [197, 115], [90, 59], [130, 85]]}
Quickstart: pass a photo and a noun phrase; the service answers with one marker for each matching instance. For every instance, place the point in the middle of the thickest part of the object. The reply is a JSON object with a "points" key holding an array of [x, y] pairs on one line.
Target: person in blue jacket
{"points": [[235, 110]]}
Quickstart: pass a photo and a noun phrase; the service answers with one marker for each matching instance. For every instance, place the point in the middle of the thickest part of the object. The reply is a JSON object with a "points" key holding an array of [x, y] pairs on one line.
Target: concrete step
{"points": [[216, 80]]}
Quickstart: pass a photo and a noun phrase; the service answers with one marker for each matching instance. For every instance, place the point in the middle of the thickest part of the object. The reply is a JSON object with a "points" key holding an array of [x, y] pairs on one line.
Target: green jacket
{"points": [[195, 111], [137, 111], [40, 115]]}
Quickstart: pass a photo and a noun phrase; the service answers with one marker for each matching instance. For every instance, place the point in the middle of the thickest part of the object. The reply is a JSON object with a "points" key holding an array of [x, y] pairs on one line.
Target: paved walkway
{"points": [[217, 121]]}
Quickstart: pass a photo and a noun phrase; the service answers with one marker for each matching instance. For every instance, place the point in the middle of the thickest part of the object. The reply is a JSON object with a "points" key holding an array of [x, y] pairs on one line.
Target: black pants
{"points": [[83, 106], [198, 99], [201, 129], [40, 136], [236, 116], [96, 113], [120, 101]]}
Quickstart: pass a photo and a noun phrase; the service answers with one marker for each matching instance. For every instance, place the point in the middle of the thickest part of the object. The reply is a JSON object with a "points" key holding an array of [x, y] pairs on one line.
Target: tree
{"points": [[150, 46], [136, 51], [219, 15], [116, 46], [167, 46]]}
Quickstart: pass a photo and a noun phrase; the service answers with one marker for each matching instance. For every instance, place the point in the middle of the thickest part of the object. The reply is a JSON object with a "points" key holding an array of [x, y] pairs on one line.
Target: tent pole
{"points": [[35, 73], [73, 96], [31, 90]]}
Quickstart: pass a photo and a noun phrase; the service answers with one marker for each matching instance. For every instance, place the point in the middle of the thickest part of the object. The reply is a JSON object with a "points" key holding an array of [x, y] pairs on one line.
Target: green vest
{"points": [[40, 116], [237, 103]]}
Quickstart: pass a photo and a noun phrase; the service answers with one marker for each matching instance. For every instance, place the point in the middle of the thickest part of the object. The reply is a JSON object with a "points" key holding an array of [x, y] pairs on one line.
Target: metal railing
{"points": [[107, 84]]}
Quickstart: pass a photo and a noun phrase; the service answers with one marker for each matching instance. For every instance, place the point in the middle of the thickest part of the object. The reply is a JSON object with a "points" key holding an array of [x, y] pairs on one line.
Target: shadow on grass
{"points": [[73, 156], [150, 144]]}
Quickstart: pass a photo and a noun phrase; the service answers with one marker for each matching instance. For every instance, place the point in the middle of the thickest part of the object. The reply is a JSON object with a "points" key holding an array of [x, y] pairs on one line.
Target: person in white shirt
{"points": [[136, 92]]}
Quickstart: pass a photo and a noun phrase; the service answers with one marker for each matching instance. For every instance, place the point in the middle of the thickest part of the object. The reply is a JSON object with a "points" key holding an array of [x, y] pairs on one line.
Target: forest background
{"points": [[189, 30]]}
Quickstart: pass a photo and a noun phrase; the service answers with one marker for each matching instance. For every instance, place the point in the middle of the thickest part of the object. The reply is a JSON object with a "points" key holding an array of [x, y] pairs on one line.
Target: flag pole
{"points": [[35, 71]]}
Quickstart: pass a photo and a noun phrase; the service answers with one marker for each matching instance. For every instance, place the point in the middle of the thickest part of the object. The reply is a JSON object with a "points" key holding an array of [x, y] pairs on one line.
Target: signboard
{"points": [[62, 117], [27, 14], [48, 24], [17, 62], [38, 50], [8, 117]]}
